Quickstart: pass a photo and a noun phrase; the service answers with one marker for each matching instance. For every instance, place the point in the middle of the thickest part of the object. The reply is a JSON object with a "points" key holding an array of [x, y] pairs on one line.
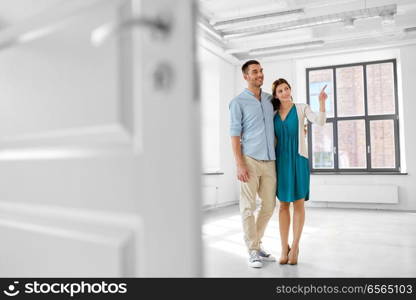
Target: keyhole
{"points": [[163, 77]]}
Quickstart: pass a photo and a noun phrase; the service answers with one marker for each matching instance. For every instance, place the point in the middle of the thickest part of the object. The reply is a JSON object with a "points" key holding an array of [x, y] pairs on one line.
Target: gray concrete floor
{"points": [[335, 243]]}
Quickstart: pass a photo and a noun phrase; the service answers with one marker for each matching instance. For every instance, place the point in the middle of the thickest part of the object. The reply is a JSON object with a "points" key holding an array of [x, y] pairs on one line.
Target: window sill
{"points": [[213, 173]]}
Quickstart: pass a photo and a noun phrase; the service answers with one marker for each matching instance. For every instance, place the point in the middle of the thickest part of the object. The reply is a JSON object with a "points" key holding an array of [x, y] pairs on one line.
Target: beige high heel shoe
{"points": [[293, 260], [284, 260]]}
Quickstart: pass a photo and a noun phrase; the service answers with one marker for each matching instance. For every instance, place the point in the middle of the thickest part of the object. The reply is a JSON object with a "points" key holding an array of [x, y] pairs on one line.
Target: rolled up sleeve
{"points": [[236, 117]]}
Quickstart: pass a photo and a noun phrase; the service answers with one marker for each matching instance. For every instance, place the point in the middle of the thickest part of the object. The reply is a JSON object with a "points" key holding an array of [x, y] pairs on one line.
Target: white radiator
{"points": [[375, 193], [209, 196]]}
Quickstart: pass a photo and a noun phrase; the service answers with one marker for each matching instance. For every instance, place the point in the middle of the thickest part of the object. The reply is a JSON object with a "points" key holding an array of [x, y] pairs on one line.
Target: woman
{"points": [[292, 164]]}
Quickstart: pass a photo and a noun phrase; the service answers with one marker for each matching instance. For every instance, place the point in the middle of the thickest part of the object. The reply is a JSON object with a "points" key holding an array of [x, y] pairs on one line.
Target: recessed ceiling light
{"points": [[219, 24], [387, 19], [349, 23], [283, 48]]}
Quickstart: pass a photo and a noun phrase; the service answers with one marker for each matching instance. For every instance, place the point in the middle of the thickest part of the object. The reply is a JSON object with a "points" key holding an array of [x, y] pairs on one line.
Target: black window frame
{"points": [[334, 120]]}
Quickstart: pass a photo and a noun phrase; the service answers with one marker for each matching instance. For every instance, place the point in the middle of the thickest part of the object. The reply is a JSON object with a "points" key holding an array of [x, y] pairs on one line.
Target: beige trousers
{"points": [[262, 182]]}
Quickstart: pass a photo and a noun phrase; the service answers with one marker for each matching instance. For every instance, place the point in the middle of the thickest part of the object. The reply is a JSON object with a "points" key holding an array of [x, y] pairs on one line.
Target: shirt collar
{"points": [[252, 94]]}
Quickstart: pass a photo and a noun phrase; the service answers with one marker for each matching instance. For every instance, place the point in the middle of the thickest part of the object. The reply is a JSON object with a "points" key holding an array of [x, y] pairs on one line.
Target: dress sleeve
{"points": [[315, 117]]}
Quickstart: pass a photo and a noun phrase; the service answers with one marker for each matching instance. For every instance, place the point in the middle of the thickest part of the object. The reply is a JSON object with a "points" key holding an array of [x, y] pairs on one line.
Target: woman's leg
{"points": [[298, 222], [284, 224]]}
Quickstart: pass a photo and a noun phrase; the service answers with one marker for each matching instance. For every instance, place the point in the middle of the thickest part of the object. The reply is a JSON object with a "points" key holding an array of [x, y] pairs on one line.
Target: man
{"points": [[252, 139]]}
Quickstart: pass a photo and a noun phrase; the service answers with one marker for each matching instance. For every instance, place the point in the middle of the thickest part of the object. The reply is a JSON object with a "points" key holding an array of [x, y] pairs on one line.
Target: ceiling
{"points": [[240, 30], [272, 29]]}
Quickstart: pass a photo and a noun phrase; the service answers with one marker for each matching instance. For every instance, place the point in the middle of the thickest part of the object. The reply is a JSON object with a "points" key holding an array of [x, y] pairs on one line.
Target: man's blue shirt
{"points": [[253, 121]]}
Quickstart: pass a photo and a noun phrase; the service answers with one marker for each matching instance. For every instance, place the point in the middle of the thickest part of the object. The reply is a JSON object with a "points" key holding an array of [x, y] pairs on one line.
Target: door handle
{"points": [[161, 25]]}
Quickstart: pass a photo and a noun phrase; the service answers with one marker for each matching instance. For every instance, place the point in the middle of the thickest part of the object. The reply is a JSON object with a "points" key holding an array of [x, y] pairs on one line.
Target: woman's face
{"points": [[283, 92]]}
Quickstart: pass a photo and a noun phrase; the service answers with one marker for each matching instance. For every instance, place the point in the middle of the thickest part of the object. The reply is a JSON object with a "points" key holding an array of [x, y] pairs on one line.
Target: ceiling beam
{"points": [[311, 22]]}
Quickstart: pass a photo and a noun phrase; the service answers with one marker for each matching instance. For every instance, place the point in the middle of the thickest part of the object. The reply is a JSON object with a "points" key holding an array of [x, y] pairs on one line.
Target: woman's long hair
{"points": [[275, 100]]}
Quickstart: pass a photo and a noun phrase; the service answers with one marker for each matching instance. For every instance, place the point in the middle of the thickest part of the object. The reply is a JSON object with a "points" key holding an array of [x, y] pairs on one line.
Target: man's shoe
{"points": [[264, 256], [254, 260]]}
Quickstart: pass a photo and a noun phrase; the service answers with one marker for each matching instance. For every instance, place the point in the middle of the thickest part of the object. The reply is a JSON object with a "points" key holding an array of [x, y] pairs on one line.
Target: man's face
{"points": [[254, 75]]}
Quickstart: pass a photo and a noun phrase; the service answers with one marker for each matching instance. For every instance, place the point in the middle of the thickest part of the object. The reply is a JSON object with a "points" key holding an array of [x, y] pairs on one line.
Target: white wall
{"points": [[218, 85], [210, 107]]}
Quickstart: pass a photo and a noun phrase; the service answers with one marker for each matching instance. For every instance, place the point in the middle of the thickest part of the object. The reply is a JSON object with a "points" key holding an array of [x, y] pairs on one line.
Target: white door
{"points": [[99, 145]]}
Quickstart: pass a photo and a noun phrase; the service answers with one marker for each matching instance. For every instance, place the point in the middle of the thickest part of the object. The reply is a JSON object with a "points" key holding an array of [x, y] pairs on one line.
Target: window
{"points": [[362, 129]]}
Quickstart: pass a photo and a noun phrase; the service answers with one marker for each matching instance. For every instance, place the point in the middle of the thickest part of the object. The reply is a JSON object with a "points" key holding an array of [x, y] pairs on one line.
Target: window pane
{"points": [[352, 144], [350, 91], [380, 89], [322, 146], [317, 80], [382, 144]]}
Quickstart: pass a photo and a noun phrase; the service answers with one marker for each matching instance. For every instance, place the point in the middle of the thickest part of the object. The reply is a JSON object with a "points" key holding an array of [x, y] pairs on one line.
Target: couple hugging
{"points": [[268, 142]]}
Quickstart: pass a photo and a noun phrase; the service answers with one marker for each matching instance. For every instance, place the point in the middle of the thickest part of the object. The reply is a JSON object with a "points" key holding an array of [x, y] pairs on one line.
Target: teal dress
{"points": [[292, 169]]}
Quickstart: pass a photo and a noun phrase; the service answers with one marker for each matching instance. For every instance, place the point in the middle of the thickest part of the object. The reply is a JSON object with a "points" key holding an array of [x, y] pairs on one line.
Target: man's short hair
{"points": [[244, 68]]}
